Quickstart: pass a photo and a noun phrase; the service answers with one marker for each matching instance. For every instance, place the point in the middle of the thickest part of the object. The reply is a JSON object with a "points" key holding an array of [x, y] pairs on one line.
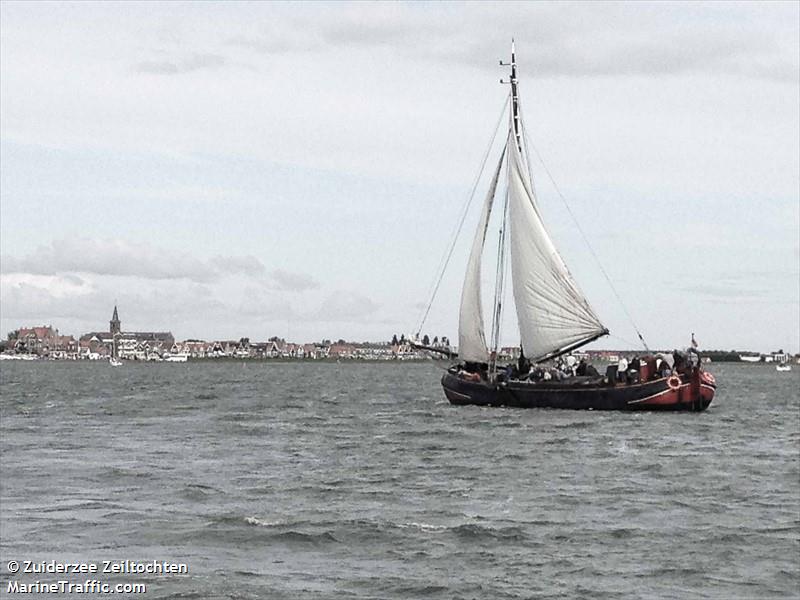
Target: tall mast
{"points": [[501, 250], [514, 95]]}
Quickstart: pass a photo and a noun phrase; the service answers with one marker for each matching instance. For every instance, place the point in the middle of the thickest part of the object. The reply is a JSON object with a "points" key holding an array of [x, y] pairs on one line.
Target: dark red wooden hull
{"points": [[694, 392]]}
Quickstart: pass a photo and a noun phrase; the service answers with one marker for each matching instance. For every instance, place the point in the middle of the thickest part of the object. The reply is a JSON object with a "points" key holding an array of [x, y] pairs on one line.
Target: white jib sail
{"points": [[552, 312], [471, 336]]}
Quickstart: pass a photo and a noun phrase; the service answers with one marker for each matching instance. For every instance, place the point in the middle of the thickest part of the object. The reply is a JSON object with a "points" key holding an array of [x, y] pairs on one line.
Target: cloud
{"points": [[195, 62], [293, 282], [238, 265], [346, 306], [258, 304], [273, 43], [76, 305], [608, 39], [666, 52], [725, 291], [45, 298], [686, 126], [388, 25], [774, 285], [77, 281], [52, 286], [126, 259]]}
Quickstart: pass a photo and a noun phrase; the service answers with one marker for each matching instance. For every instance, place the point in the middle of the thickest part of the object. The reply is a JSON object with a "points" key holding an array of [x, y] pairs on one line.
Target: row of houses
{"points": [[277, 348], [46, 342], [778, 356]]}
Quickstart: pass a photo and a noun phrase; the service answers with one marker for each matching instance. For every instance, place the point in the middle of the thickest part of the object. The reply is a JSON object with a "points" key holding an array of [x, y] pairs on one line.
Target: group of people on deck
{"points": [[563, 368], [635, 370]]}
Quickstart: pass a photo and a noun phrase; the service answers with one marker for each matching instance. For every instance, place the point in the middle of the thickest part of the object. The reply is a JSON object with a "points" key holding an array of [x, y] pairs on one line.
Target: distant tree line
{"points": [[721, 355]]}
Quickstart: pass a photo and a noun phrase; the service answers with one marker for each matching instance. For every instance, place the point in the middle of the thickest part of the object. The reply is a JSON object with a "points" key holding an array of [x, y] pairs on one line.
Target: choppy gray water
{"points": [[361, 481]]}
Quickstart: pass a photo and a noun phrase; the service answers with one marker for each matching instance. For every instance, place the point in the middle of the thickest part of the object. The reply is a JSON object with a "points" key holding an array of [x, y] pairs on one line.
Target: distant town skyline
{"points": [[43, 332], [257, 169]]}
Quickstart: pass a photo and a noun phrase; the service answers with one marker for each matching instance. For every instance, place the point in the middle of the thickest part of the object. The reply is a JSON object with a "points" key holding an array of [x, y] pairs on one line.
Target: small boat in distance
{"points": [[749, 358], [553, 315], [783, 367]]}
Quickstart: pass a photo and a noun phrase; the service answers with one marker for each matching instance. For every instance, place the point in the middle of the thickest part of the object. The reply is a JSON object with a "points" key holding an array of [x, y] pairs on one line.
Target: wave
{"points": [[305, 538], [238, 530], [361, 529], [472, 531], [198, 491], [422, 526], [623, 533], [82, 505], [262, 523], [417, 591], [576, 425], [675, 571]]}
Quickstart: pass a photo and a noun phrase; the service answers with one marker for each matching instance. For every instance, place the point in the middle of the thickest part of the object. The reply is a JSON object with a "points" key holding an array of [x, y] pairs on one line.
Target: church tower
{"points": [[114, 324]]}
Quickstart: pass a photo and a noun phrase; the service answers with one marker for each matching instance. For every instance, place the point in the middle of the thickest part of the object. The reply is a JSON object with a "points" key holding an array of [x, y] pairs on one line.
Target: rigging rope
{"points": [[500, 278], [457, 231], [621, 339], [580, 230]]}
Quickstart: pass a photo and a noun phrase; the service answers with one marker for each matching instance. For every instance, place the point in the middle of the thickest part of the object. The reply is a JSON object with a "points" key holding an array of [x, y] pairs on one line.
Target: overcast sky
{"points": [[234, 169]]}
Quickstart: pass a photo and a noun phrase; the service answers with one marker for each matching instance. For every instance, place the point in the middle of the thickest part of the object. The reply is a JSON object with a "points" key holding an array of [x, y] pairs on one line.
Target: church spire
{"points": [[114, 324]]}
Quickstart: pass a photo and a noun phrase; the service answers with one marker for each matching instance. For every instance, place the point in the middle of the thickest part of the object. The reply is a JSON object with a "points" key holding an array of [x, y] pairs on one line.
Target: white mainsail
{"points": [[471, 335], [552, 312]]}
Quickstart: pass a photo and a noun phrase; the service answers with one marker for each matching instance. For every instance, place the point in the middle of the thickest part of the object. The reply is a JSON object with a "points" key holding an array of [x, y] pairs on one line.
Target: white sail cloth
{"points": [[552, 312], [471, 335]]}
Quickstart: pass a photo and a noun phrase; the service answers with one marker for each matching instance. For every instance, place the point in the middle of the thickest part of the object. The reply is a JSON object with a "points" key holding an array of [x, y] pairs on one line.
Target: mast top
{"points": [[514, 94]]}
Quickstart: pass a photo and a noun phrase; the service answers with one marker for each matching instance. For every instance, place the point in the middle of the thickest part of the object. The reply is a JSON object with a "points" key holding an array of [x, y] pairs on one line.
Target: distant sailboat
{"points": [[114, 360], [553, 315]]}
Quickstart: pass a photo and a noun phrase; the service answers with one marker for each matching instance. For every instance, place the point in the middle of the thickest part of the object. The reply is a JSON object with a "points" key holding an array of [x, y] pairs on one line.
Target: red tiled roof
{"points": [[39, 332], [341, 349]]}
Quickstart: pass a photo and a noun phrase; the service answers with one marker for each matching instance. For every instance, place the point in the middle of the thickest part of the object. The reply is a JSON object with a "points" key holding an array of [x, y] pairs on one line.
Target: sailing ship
{"points": [[553, 315]]}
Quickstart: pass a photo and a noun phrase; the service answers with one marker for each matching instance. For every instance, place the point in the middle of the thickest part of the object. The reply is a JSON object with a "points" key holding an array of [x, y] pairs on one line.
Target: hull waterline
{"points": [[694, 392]]}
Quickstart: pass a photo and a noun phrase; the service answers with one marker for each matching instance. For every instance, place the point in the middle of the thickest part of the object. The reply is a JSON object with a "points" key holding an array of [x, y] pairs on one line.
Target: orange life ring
{"points": [[674, 382]]}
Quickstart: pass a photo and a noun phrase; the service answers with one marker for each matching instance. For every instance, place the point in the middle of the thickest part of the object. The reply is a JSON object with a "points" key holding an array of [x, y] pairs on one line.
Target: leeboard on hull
{"points": [[692, 394]]}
